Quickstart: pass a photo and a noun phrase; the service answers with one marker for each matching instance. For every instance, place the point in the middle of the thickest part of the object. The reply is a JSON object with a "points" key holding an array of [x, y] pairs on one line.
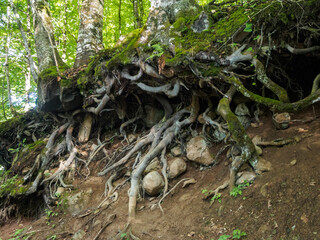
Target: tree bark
{"points": [[33, 67], [138, 23], [6, 63], [47, 53], [90, 31]]}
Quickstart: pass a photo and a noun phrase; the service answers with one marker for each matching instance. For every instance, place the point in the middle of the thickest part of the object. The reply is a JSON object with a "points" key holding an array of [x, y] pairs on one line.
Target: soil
{"points": [[283, 203]]}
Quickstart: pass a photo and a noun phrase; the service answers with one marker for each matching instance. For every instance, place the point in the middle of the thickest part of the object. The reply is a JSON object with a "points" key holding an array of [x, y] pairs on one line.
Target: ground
{"points": [[283, 203]]}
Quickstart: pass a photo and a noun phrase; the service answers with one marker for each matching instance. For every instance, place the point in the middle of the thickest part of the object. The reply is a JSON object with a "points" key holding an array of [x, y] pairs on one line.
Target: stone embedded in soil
{"points": [[79, 235], [198, 151], [153, 183], [59, 191], [79, 201], [154, 165], [245, 176], [176, 167], [201, 24], [263, 165], [293, 162], [176, 151], [258, 150]]}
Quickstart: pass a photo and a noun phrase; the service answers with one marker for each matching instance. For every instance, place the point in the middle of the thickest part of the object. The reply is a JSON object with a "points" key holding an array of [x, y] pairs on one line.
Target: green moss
{"points": [[126, 50], [52, 72], [36, 145], [180, 24], [11, 185], [227, 26], [12, 123]]}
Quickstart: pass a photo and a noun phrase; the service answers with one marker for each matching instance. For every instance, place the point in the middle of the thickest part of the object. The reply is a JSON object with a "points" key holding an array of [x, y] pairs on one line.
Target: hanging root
{"points": [[166, 89], [302, 50], [125, 74], [167, 137], [268, 83]]}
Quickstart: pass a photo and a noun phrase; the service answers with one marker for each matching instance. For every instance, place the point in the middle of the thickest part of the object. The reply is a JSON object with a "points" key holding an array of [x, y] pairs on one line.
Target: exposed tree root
{"points": [[302, 50], [248, 151], [168, 136]]}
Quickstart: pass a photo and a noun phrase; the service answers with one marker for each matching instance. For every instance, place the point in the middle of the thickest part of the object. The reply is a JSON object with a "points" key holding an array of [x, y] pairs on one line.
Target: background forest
{"points": [[18, 88]]}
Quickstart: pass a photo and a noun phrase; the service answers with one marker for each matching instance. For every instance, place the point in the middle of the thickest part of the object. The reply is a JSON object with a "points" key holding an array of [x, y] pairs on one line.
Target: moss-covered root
{"points": [[248, 152], [272, 103], [268, 83]]}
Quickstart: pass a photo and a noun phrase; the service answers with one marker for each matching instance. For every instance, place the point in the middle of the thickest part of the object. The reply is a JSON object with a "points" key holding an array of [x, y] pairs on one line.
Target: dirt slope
{"points": [[283, 203]]}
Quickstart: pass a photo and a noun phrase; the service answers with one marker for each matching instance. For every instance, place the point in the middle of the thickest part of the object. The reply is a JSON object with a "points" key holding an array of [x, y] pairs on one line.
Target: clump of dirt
{"points": [[283, 203]]}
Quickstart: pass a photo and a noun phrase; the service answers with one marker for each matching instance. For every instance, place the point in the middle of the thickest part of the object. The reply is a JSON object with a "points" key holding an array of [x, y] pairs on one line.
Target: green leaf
{"points": [[248, 27]]}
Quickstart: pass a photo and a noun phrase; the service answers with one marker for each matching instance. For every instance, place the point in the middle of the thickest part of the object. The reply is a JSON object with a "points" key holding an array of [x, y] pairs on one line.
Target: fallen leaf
{"points": [[191, 234]]}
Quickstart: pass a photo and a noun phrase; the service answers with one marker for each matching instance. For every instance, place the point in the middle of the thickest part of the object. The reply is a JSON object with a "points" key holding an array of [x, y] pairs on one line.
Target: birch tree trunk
{"points": [[33, 67], [47, 53], [90, 31], [6, 64]]}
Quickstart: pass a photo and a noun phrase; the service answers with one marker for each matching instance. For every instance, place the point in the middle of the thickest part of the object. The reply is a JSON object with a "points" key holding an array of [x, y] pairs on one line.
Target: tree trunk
{"points": [[47, 53], [33, 67], [138, 23], [6, 64], [90, 31]]}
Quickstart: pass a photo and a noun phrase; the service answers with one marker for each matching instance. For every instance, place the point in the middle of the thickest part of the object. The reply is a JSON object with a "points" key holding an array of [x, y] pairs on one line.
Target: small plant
{"points": [[237, 234], [238, 189], [157, 51], [205, 192], [124, 236], [224, 237], [50, 214], [53, 237], [15, 235], [216, 197]]}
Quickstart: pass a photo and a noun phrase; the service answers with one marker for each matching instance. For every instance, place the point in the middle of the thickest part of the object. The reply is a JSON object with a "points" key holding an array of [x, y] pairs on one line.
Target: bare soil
{"points": [[283, 203]]}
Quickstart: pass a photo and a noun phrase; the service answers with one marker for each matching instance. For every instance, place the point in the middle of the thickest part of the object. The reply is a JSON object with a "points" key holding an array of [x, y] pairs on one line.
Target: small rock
{"points": [[79, 235], [177, 167], [198, 151], [131, 138], [154, 165], [176, 151], [59, 191], [293, 162], [242, 110], [245, 121], [153, 183], [256, 139], [235, 150], [201, 24], [258, 150], [263, 165], [246, 176]]}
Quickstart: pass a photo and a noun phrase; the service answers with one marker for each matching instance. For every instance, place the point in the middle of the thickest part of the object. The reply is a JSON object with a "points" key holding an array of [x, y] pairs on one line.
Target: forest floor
{"points": [[283, 203]]}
